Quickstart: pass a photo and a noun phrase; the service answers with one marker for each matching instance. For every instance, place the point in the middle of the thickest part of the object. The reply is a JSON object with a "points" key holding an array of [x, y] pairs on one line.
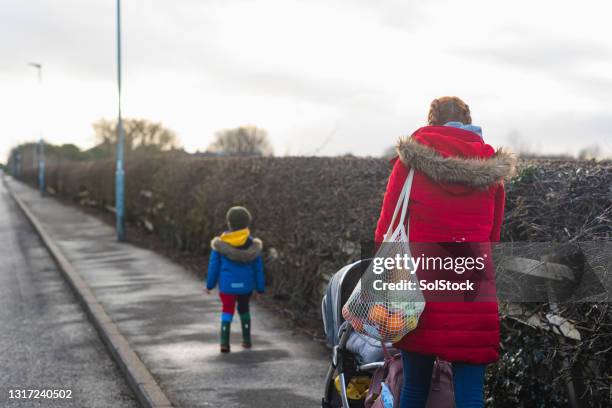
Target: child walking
{"points": [[236, 264]]}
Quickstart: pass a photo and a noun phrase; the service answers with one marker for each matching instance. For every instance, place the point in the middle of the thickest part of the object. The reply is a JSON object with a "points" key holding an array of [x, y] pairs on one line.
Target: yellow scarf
{"points": [[236, 238]]}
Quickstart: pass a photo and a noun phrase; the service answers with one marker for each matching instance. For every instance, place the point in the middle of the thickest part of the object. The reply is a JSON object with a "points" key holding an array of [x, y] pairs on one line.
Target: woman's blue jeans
{"points": [[468, 382]]}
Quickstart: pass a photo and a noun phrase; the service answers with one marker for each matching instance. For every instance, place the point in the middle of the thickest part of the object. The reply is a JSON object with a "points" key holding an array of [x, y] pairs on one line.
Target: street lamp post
{"points": [[119, 172], [18, 163], [41, 144]]}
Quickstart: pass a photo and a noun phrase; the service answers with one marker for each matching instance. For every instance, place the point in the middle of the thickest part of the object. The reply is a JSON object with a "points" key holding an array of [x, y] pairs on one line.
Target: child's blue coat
{"points": [[235, 278]]}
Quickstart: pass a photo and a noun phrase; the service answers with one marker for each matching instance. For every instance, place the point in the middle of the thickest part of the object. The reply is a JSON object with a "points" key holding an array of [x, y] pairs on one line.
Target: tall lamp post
{"points": [[41, 144], [119, 172], [17, 171]]}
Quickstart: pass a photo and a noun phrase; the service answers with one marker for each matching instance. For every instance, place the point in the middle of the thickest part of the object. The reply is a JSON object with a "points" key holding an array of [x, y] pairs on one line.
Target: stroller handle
{"points": [[371, 366]]}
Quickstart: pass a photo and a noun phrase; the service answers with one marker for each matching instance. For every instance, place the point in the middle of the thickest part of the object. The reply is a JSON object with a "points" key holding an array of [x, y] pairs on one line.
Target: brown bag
{"points": [[392, 374], [441, 392]]}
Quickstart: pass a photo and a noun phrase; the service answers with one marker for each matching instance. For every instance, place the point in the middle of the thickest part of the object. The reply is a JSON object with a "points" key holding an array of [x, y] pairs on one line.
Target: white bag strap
{"points": [[406, 196], [398, 205], [402, 202]]}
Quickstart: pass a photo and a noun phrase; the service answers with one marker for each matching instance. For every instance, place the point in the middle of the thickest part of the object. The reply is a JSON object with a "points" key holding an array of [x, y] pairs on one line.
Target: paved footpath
{"points": [[173, 327]]}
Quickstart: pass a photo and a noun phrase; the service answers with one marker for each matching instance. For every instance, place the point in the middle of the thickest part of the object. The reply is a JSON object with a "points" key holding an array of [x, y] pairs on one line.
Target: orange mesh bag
{"points": [[386, 303]]}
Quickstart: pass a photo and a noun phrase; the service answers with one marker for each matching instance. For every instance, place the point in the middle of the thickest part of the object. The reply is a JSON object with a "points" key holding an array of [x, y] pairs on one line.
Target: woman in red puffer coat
{"points": [[457, 195]]}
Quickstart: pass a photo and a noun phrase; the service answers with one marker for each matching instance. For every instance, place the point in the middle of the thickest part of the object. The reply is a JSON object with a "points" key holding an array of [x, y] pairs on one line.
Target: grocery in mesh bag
{"points": [[389, 314]]}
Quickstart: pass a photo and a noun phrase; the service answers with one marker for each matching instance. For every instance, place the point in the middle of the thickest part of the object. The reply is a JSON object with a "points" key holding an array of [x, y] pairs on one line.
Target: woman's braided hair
{"points": [[449, 109]]}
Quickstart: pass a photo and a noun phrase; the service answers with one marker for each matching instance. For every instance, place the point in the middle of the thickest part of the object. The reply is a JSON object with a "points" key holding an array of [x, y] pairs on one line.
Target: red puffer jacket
{"points": [[457, 196]]}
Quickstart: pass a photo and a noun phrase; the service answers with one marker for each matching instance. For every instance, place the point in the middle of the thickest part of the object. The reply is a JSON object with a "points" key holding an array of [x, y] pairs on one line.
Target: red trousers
{"points": [[229, 304]]}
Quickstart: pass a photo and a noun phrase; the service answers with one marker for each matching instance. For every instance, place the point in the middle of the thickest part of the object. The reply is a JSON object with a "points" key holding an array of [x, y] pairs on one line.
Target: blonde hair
{"points": [[449, 109]]}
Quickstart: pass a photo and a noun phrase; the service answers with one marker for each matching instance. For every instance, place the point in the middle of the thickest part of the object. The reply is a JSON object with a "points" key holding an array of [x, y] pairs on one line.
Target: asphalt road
{"points": [[46, 341]]}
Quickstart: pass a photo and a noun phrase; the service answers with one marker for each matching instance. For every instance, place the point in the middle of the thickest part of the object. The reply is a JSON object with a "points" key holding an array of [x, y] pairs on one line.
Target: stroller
{"points": [[356, 355], [353, 354]]}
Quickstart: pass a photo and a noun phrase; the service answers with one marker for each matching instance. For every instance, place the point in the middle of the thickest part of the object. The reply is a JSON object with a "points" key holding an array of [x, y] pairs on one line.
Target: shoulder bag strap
{"points": [[404, 204]]}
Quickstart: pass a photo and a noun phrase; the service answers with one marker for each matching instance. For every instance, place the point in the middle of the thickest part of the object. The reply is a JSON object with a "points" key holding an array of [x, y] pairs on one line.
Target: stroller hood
{"points": [[331, 305]]}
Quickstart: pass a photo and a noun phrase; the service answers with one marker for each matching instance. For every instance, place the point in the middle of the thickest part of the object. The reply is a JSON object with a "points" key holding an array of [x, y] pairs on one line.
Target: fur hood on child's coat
{"points": [[240, 254]]}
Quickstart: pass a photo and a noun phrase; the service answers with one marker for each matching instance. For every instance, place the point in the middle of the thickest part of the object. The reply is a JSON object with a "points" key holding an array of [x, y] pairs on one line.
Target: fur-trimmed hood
{"points": [[237, 254], [474, 172]]}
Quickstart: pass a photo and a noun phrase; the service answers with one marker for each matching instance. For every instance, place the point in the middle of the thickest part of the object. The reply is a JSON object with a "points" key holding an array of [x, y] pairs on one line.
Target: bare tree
{"points": [[242, 141], [140, 135], [521, 146], [589, 152]]}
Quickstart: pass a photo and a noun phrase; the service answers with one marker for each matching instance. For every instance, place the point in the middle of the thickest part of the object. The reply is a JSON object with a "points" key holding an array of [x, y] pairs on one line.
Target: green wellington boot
{"points": [[225, 336], [245, 323]]}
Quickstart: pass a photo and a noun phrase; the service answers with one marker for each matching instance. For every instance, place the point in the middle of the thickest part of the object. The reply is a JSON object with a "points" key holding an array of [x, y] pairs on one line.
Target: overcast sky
{"points": [[355, 73]]}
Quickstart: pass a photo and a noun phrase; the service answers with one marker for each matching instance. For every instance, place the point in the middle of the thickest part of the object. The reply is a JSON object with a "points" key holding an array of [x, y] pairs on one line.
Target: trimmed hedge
{"points": [[312, 214]]}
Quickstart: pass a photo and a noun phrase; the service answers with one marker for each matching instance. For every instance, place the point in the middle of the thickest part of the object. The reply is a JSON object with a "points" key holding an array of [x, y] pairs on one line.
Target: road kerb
{"points": [[139, 378]]}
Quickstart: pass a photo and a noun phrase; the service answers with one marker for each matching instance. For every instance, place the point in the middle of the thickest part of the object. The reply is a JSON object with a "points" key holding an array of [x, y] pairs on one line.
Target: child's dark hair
{"points": [[449, 109]]}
